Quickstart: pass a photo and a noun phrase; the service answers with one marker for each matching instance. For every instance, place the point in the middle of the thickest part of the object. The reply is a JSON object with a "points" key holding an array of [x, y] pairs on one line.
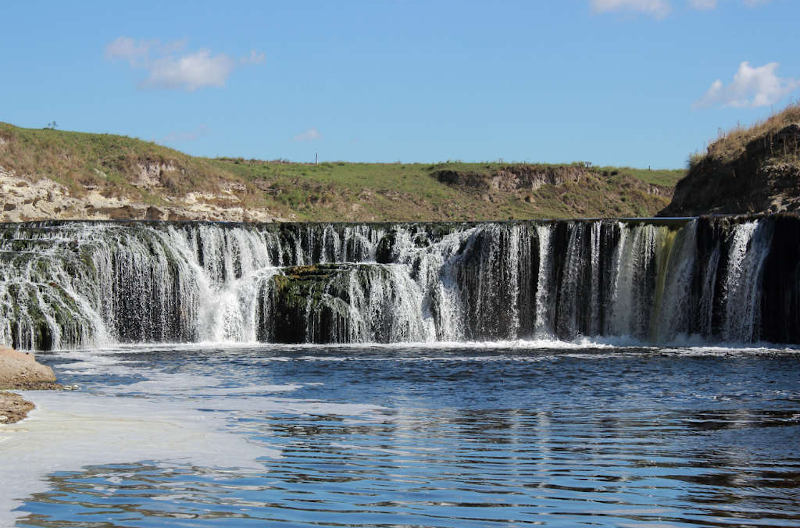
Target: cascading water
{"points": [[76, 284], [743, 282], [673, 309], [544, 307], [571, 301]]}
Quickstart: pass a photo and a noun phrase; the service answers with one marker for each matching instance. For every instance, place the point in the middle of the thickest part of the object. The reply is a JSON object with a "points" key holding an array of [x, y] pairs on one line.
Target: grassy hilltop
{"points": [[456, 190], [746, 170], [60, 174]]}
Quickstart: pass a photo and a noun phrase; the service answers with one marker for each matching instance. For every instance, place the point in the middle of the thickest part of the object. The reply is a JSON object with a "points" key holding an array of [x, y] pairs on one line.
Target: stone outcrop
{"points": [[524, 180], [514, 178], [150, 173], [20, 370], [23, 199]]}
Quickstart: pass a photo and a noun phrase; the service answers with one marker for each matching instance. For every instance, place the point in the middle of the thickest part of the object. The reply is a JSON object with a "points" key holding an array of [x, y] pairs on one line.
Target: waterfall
{"points": [[634, 284], [742, 284], [594, 262], [84, 284], [676, 275], [544, 311], [572, 298]]}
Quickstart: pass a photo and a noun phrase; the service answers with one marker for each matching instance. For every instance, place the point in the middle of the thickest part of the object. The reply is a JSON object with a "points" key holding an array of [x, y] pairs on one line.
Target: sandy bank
{"points": [[21, 371], [13, 407]]}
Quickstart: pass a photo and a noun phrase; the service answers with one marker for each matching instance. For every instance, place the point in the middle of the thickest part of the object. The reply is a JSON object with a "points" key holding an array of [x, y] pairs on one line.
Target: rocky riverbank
{"points": [[21, 371], [13, 407]]}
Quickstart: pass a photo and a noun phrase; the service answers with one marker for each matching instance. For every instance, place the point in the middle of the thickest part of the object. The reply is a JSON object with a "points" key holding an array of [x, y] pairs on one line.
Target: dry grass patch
{"points": [[732, 143]]}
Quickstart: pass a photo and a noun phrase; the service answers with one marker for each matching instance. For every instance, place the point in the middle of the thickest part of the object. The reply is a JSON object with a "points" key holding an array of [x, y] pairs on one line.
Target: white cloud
{"points": [[191, 71], [656, 8], [128, 49], [703, 4], [255, 57], [168, 66], [659, 8], [751, 87], [708, 5], [309, 135]]}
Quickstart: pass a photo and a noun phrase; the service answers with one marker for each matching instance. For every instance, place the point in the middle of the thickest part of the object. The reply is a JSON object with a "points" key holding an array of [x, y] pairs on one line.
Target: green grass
{"points": [[398, 191], [331, 191]]}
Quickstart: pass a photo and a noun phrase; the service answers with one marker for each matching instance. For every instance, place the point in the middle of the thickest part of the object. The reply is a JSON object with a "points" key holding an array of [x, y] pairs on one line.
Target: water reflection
{"points": [[497, 438]]}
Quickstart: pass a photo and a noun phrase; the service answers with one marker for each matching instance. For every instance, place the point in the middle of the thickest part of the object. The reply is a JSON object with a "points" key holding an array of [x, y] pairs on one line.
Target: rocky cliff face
{"points": [[26, 199], [516, 178], [521, 178], [762, 177], [534, 182]]}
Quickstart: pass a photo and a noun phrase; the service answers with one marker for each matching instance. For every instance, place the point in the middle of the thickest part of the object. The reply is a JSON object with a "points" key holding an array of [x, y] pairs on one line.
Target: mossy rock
{"points": [[310, 304]]}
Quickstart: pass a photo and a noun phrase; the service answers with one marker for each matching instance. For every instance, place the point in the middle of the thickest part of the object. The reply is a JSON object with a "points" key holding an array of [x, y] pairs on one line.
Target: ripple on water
{"points": [[414, 436]]}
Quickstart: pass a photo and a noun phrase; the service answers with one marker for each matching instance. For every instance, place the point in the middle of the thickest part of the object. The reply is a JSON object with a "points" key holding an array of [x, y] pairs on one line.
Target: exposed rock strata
{"points": [[22, 199], [514, 178], [520, 178]]}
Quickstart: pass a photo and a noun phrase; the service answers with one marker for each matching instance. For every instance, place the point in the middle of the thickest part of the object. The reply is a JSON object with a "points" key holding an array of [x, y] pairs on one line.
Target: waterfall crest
{"points": [[83, 284]]}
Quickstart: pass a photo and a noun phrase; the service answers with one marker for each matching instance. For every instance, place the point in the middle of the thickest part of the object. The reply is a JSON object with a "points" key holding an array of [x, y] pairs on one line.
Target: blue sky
{"points": [[622, 82]]}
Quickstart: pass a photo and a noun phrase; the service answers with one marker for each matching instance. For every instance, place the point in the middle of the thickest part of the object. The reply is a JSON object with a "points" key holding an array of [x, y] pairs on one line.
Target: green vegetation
{"points": [[414, 191], [335, 191], [82, 161]]}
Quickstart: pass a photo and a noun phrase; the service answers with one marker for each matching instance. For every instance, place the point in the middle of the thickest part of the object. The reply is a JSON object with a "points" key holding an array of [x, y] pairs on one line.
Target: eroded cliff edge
{"points": [[746, 171]]}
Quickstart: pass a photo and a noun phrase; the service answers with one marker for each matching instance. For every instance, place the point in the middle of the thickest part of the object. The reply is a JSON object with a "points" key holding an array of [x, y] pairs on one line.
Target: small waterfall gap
{"points": [[544, 307], [87, 284]]}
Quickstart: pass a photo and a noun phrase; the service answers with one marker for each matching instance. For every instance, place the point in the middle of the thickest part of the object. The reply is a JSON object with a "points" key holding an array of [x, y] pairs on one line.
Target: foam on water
{"points": [[157, 419], [70, 430], [103, 358]]}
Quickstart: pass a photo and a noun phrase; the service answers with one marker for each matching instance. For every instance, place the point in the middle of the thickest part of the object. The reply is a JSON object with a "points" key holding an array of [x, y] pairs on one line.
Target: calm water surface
{"points": [[450, 437]]}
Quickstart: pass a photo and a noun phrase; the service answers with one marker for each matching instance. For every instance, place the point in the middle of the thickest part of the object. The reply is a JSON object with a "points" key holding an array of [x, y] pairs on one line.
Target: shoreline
{"points": [[20, 371], [13, 407]]}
